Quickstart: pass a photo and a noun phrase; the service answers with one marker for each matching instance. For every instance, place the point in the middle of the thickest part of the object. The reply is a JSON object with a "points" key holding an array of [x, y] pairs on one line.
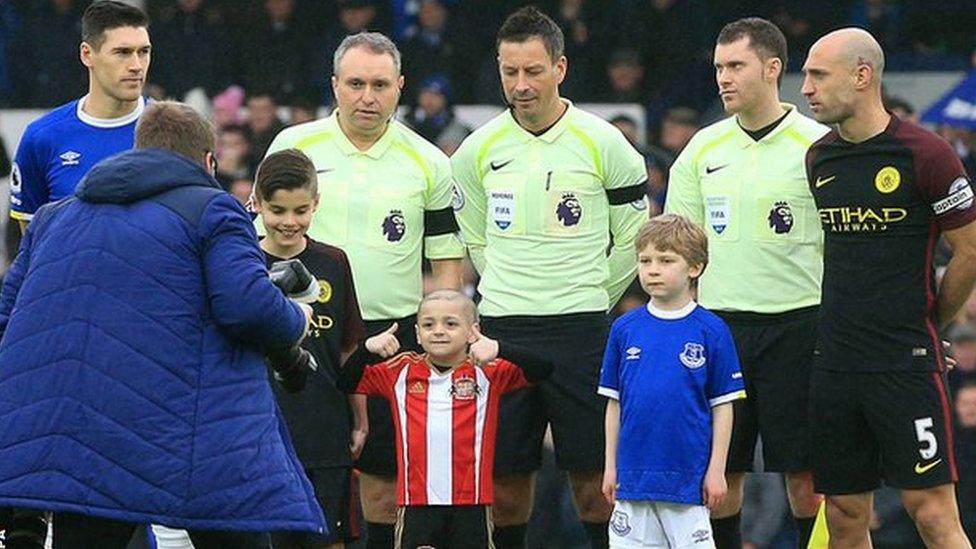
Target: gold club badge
{"points": [[887, 179], [325, 291]]}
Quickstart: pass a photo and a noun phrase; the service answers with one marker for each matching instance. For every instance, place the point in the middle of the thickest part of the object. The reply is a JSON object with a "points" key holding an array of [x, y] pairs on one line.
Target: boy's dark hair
{"points": [[241, 129], [893, 102], [105, 15], [764, 37], [528, 23], [285, 170], [175, 127]]}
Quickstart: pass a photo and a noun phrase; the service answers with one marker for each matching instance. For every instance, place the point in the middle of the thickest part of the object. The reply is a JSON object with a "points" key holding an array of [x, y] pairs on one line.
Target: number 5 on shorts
{"points": [[923, 431]]}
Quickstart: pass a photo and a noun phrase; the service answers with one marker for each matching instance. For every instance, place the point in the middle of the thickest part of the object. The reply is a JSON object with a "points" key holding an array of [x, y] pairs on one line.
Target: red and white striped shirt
{"points": [[445, 425]]}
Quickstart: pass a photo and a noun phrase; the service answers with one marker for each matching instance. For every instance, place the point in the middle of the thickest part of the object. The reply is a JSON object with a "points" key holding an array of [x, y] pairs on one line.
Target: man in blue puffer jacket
{"points": [[134, 324]]}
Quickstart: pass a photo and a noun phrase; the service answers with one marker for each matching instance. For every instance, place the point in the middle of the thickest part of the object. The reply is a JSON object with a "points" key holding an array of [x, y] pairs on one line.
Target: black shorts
{"points": [[873, 426], [454, 526], [776, 355], [339, 498], [379, 454], [567, 400]]}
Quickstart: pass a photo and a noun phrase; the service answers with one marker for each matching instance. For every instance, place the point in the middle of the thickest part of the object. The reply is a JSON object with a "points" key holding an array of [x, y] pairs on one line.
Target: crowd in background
{"points": [[653, 52], [261, 65]]}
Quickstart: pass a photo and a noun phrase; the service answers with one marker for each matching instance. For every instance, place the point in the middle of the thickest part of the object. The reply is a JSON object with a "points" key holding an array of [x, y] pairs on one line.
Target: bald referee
{"points": [[386, 202], [545, 189], [743, 179]]}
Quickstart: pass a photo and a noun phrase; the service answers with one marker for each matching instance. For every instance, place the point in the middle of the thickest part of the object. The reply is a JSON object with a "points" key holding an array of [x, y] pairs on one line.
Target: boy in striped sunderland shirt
{"points": [[444, 404]]}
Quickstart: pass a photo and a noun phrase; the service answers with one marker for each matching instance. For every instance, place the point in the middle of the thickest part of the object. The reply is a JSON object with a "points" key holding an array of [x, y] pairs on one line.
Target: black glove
{"points": [[26, 528], [291, 368], [294, 280]]}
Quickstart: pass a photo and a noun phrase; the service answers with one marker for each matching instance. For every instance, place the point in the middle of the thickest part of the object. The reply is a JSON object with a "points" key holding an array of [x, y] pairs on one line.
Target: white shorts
{"points": [[660, 524], [171, 538]]}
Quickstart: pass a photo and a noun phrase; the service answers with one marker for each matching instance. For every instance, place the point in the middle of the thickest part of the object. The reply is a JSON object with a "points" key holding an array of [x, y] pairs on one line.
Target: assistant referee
{"points": [[386, 202], [744, 180]]}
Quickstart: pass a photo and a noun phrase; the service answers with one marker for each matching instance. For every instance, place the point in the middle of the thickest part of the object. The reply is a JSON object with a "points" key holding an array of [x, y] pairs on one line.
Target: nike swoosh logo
{"points": [[709, 169], [497, 166], [922, 469], [324, 170], [821, 181]]}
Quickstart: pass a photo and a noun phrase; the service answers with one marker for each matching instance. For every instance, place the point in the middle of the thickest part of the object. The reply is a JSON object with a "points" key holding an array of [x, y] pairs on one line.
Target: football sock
{"points": [[726, 532], [509, 537]]}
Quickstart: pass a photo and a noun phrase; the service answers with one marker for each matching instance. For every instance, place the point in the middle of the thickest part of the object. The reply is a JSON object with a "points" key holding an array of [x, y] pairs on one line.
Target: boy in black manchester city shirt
{"points": [[885, 190], [318, 418]]}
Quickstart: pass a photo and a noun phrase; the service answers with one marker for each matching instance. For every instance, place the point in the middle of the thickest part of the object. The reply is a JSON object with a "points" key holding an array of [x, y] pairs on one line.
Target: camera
{"points": [[291, 367]]}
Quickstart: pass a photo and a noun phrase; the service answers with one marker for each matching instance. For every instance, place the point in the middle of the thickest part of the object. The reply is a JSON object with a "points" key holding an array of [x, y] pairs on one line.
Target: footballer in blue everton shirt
{"points": [[670, 372], [59, 148]]}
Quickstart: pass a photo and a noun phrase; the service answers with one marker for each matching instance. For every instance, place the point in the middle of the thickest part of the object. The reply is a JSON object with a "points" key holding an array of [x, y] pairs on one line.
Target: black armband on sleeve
{"points": [[626, 195], [438, 222], [536, 367], [352, 371]]}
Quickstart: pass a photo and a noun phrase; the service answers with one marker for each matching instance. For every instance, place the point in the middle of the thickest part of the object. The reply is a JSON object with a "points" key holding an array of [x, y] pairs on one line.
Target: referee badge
{"points": [[501, 204], [719, 210], [781, 217], [887, 180], [569, 211], [394, 226], [693, 356]]}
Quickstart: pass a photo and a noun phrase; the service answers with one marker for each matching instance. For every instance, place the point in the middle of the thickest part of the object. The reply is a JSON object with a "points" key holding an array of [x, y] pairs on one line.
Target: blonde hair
{"points": [[676, 233], [467, 304]]}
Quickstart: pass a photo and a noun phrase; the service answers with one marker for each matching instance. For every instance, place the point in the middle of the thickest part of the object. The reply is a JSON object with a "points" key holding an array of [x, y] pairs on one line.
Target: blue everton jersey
{"points": [[58, 149], [668, 369]]}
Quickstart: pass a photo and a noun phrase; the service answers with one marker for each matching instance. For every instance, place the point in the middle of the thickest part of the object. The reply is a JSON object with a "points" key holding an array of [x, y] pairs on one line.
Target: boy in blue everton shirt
{"points": [[671, 373]]}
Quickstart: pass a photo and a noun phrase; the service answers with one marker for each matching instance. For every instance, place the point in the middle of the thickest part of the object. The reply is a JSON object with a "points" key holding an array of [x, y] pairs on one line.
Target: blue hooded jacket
{"points": [[132, 380]]}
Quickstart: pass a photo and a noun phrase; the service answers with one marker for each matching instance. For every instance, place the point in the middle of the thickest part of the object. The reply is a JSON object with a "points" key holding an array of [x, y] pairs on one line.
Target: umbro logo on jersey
{"points": [[821, 181], [711, 170], [495, 166], [70, 158], [633, 353], [922, 469]]}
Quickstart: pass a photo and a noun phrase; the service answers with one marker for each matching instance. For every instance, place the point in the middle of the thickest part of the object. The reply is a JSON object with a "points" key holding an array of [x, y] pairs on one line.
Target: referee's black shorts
{"points": [[379, 452], [776, 355], [567, 400]]}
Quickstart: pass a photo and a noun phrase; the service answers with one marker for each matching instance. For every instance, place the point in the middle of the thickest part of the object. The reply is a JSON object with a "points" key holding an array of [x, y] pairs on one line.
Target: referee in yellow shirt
{"points": [[386, 201], [546, 190], [744, 180]]}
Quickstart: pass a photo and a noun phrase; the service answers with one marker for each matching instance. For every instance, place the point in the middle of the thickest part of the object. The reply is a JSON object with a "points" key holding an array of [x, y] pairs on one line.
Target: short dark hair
{"points": [[105, 15], [175, 127], [764, 37], [528, 23], [285, 170], [893, 102], [241, 129]]}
